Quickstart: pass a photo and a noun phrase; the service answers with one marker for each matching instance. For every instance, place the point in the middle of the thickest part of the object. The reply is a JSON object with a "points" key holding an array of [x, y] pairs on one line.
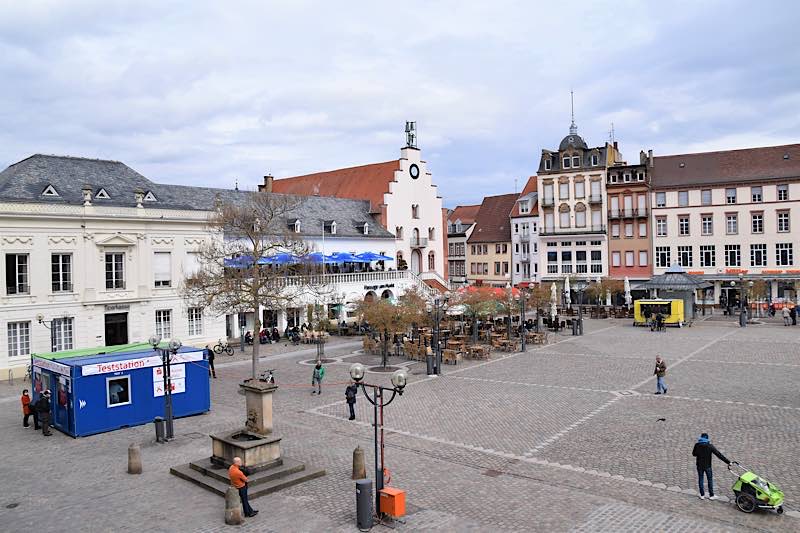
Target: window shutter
{"points": [[161, 266]]}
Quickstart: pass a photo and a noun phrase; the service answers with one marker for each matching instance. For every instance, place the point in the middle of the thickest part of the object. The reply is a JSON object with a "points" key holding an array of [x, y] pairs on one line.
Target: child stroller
{"points": [[754, 492]]}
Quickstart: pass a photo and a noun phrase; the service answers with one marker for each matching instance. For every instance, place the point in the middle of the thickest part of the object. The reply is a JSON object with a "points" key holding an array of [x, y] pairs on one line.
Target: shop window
{"points": [[118, 391]]}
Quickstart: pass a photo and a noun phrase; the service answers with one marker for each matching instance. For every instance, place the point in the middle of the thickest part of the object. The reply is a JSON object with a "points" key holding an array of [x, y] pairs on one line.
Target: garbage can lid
{"points": [[158, 419]]}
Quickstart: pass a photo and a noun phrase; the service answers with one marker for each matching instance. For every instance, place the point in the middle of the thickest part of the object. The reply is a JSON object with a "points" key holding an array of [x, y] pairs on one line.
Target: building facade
{"points": [[95, 254], [731, 217], [489, 245], [403, 199], [460, 223], [572, 209], [525, 236], [629, 236]]}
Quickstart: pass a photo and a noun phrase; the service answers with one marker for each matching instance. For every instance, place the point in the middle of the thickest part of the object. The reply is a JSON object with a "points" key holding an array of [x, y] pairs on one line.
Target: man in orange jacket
{"points": [[239, 482]]}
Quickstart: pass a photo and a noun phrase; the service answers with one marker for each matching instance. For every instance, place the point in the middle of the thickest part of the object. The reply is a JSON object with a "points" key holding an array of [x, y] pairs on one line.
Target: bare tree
{"points": [[252, 260]]}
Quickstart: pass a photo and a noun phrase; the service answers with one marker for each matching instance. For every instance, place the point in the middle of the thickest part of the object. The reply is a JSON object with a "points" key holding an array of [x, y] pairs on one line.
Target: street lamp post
{"points": [[399, 380], [522, 329], [166, 369]]}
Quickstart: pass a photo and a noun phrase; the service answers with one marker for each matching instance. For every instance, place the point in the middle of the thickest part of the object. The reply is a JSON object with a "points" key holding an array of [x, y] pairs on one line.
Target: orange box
{"points": [[393, 501]]}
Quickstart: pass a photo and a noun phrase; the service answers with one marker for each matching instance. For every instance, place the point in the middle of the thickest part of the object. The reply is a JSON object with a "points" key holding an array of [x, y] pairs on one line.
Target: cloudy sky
{"points": [[209, 92]]}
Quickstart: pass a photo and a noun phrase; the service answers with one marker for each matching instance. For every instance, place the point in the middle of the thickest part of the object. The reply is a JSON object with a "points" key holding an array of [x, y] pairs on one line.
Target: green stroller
{"points": [[754, 492]]}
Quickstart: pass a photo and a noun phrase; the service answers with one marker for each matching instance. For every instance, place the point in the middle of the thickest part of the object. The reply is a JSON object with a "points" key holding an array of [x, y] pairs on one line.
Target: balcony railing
{"points": [[627, 213], [595, 228], [641, 212], [419, 242], [595, 198], [547, 202]]}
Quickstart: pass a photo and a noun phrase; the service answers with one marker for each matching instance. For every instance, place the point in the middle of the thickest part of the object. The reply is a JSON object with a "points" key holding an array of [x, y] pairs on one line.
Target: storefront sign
{"points": [[765, 271], [175, 371], [117, 307], [177, 375], [133, 364], [376, 287], [47, 364], [736, 271]]}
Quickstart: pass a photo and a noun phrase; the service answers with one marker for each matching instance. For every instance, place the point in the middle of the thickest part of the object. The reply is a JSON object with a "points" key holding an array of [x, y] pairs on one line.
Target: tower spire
{"points": [[573, 129]]}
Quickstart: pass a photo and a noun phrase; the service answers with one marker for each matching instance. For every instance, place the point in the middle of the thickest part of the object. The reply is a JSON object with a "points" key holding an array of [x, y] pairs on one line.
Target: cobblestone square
{"points": [[564, 437]]}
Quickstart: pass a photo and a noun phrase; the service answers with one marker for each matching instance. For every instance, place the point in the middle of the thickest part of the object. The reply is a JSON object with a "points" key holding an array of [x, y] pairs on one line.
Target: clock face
{"points": [[414, 171]]}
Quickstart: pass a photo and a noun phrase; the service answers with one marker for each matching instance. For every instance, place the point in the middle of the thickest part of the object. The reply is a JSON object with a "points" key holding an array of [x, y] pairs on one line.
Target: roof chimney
{"points": [[642, 157], [650, 158], [267, 185], [616, 147]]}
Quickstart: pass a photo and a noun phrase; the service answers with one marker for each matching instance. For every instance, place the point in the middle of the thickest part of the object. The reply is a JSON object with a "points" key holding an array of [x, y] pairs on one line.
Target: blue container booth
{"points": [[102, 389]]}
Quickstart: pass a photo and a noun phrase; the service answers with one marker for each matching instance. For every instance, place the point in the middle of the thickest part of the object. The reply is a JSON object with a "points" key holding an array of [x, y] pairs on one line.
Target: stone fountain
{"points": [[256, 445]]}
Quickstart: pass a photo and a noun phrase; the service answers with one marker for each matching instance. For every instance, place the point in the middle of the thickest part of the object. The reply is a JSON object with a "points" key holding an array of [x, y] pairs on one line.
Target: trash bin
{"points": [[364, 504], [160, 431]]}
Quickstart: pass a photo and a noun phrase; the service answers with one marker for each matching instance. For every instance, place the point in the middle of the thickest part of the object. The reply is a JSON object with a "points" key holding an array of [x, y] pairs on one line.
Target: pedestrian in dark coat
{"points": [[702, 451], [43, 409], [793, 315], [350, 394], [211, 356]]}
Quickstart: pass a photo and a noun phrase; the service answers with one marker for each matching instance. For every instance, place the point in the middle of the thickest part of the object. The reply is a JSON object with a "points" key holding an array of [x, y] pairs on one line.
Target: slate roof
{"points": [[675, 279], [729, 166], [26, 180], [365, 182], [492, 223]]}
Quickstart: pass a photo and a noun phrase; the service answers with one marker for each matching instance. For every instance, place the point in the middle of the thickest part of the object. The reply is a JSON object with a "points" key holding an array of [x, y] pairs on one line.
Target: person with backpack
{"points": [[702, 451], [350, 394], [43, 409], [316, 378]]}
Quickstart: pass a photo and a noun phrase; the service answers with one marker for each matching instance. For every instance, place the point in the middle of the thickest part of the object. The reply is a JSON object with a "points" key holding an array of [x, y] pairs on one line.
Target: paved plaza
{"points": [[564, 437]]}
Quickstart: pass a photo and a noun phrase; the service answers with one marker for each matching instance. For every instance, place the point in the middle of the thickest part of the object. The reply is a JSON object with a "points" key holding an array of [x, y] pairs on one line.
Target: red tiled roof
{"points": [[529, 188], [365, 182], [492, 223], [730, 166], [465, 213]]}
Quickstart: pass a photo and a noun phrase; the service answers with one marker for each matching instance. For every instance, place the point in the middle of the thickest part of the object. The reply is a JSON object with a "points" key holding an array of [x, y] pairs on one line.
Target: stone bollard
{"points": [[359, 468], [233, 507], [134, 459]]}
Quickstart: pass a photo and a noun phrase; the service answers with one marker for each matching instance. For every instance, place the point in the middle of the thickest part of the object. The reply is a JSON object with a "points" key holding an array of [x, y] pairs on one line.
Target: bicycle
{"points": [[223, 347], [267, 376]]}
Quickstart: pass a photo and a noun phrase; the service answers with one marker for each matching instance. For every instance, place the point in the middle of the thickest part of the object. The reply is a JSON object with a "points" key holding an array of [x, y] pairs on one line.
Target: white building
{"points": [[99, 252], [572, 209], [525, 236], [730, 216], [460, 223], [402, 197]]}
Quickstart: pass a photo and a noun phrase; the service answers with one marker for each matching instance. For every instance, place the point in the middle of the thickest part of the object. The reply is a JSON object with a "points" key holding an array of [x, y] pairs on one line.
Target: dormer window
{"points": [[366, 228], [627, 177], [595, 160], [150, 197], [566, 162], [548, 164], [459, 227], [576, 161], [50, 191], [330, 226], [612, 178], [294, 225], [102, 195], [523, 207], [639, 176]]}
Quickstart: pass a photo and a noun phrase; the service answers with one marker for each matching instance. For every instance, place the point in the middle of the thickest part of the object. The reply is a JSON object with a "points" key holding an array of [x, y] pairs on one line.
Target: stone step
{"points": [[288, 466], [306, 474], [207, 482]]}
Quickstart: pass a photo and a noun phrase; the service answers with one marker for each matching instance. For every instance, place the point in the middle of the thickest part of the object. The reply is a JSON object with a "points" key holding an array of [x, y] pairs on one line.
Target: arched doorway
{"points": [[387, 294], [416, 261], [370, 296]]}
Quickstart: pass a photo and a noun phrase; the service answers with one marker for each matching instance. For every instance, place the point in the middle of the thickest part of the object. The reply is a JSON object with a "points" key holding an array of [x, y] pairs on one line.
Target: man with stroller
{"points": [[702, 451]]}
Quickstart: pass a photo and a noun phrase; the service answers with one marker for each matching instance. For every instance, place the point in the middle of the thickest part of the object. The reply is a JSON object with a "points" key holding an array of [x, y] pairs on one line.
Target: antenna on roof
{"points": [[573, 129], [611, 134], [236, 186], [515, 185], [411, 134]]}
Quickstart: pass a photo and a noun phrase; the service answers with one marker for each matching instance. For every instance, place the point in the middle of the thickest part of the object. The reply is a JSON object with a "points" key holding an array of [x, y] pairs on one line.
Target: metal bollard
{"points": [[364, 504], [359, 467], [160, 433], [134, 459], [233, 507]]}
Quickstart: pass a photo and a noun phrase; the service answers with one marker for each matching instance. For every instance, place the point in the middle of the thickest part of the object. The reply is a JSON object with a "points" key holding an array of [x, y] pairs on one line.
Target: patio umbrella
{"points": [[567, 295], [553, 300], [628, 298], [344, 257], [243, 261], [317, 257], [282, 258], [372, 256]]}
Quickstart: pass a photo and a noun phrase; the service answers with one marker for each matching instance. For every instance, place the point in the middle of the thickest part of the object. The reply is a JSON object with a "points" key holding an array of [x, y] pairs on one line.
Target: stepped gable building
{"points": [[403, 198], [489, 245], [732, 217], [94, 254], [460, 223], [628, 200], [573, 231], [525, 236]]}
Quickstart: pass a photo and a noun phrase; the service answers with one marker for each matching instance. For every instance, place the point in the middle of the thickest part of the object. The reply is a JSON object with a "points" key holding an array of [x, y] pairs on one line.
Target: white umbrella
{"points": [[608, 298], [628, 297], [553, 300], [567, 296]]}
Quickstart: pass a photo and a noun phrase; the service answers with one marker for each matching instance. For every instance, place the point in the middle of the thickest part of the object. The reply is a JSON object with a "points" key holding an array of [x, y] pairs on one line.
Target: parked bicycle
{"points": [[267, 376], [223, 347]]}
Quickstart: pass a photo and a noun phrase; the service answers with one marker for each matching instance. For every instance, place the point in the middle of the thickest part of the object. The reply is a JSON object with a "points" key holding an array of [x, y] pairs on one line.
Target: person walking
{"points": [[702, 451], [239, 482], [43, 409], [660, 371], [785, 314], [350, 394], [793, 315], [27, 411], [211, 356], [317, 377]]}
